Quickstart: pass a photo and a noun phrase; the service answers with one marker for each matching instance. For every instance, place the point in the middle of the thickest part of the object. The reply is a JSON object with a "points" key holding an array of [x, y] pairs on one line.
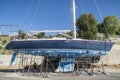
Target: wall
{"points": [[113, 57], [5, 60]]}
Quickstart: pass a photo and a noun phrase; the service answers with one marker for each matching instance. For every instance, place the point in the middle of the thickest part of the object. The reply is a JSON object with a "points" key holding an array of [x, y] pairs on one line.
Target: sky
{"points": [[51, 14]]}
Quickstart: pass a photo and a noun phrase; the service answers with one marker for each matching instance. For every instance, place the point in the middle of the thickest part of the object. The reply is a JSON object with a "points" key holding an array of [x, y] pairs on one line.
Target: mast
{"points": [[74, 19]]}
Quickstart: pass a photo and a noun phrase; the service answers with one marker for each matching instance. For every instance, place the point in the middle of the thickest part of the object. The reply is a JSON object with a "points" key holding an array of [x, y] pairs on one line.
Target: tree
{"points": [[59, 35], [70, 33], [66, 35], [110, 26], [21, 34], [118, 32], [87, 26], [40, 35]]}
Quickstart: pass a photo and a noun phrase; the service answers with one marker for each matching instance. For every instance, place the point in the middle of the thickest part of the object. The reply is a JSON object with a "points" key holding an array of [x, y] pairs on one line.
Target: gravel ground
{"points": [[112, 74]]}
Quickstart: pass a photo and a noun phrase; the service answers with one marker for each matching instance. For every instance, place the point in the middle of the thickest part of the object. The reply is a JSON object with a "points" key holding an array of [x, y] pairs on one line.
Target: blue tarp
{"points": [[13, 58], [66, 65], [63, 53]]}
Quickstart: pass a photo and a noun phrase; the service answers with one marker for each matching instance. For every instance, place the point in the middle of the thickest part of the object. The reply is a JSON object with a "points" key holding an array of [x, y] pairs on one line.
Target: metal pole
{"points": [[103, 69], [74, 19]]}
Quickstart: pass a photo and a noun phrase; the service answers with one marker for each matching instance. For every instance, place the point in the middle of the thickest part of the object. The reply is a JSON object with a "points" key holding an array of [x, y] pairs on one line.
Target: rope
{"points": [[28, 9], [37, 8], [107, 33], [99, 12], [81, 7]]}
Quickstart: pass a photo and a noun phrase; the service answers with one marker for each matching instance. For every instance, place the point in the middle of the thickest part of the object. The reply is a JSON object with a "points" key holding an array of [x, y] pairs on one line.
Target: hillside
{"points": [[4, 39]]}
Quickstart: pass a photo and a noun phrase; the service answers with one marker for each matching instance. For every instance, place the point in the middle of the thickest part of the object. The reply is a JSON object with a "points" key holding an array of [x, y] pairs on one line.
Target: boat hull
{"points": [[83, 48], [59, 44]]}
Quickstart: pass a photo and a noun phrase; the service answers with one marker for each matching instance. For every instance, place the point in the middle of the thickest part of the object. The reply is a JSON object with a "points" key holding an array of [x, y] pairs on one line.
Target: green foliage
{"points": [[59, 35], [87, 26], [4, 39], [118, 32], [21, 34], [40, 35], [3, 51], [8, 52], [4, 35], [1, 47], [70, 33], [109, 26], [3, 42], [66, 35]]}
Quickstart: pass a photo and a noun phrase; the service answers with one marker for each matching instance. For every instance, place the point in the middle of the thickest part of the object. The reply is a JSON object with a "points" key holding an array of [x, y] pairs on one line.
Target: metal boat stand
{"points": [[88, 65]]}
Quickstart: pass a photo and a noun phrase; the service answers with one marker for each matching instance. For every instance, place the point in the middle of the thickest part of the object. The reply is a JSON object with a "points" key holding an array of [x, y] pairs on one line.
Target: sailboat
{"points": [[65, 48]]}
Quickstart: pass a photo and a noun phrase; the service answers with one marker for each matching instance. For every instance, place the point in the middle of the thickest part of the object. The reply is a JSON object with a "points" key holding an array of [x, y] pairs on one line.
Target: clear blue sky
{"points": [[50, 14]]}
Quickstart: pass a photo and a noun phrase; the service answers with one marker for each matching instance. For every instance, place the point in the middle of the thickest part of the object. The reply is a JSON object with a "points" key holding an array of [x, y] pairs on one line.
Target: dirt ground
{"points": [[112, 73]]}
